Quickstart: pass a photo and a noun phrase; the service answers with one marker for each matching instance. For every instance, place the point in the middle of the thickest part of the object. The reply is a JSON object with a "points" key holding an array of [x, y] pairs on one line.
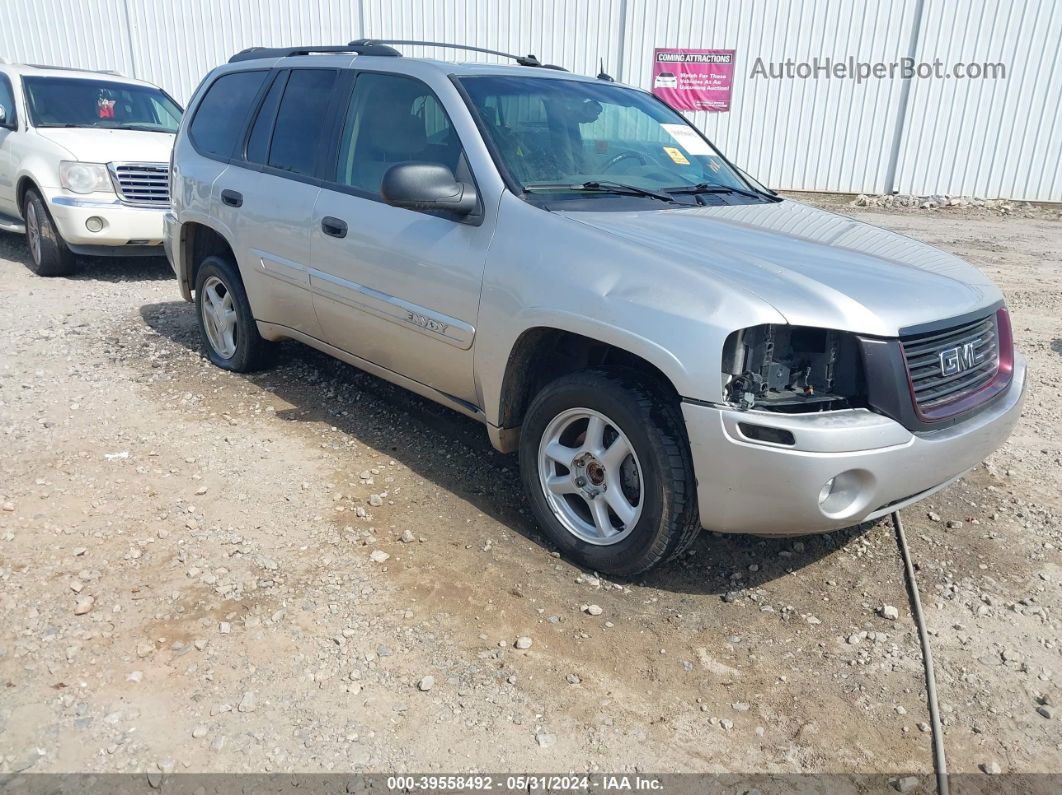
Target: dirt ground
{"points": [[190, 576]]}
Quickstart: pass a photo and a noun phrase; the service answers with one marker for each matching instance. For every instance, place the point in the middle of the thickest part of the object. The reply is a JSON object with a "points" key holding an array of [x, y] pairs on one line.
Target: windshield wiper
{"points": [[602, 186], [704, 187], [142, 128]]}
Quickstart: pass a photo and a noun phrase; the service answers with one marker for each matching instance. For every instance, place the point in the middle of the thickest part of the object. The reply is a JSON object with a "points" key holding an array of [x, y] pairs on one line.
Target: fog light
{"points": [[826, 490], [94, 223], [846, 494]]}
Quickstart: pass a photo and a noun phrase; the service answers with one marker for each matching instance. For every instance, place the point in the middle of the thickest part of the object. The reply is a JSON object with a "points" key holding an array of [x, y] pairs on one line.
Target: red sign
{"points": [[694, 79]]}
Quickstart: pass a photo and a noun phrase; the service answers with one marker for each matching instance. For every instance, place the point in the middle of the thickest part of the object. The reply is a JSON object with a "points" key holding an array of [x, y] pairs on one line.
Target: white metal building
{"points": [[989, 137]]}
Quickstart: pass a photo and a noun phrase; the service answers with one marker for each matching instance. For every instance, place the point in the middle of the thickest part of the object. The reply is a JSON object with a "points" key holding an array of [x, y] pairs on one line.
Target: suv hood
{"points": [[94, 145], [814, 267]]}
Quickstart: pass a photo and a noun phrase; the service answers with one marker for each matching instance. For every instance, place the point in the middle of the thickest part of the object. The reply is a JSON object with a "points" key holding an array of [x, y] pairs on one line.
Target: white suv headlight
{"points": [[84, 177]]}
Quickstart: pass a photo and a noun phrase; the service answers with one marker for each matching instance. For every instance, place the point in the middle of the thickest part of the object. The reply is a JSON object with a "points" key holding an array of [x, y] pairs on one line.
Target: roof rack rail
{"points": [[358, 48], [523, 60], [73, 69]]}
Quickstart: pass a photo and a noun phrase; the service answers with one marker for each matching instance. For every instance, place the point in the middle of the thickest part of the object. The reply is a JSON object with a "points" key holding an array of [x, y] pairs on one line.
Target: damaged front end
{"points": [[793, 369]]}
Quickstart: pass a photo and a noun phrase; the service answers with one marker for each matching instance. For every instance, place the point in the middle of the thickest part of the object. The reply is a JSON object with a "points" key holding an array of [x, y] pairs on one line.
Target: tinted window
{"points": [[300, 120], [7, 99], [222, 115], [262, 131], [391, 120]]}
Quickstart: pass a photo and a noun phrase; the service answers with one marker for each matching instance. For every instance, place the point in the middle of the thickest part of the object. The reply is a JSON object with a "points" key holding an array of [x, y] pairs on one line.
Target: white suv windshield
{"points": [[555, 133], [78, 102]]}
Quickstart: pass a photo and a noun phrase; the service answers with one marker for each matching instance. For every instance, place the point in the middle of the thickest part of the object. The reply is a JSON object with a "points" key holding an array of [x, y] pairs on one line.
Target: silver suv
{"points": [[668, 344]]}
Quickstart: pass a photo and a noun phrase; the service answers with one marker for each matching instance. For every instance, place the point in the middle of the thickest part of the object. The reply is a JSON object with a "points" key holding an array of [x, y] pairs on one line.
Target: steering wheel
{"points": [[623, 156]]}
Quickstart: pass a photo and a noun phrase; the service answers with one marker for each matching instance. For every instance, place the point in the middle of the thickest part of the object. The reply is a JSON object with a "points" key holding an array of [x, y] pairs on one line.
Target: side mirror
{"points": [[3, 117], [427, 186]]}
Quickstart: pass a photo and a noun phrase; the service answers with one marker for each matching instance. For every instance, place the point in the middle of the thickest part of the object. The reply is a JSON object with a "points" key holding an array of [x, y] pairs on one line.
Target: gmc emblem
{"points": [[955, 360]]}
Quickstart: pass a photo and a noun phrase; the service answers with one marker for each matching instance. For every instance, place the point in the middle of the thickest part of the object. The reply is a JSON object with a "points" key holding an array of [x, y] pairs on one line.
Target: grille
{"points": [[949, 365], [146, 184]]}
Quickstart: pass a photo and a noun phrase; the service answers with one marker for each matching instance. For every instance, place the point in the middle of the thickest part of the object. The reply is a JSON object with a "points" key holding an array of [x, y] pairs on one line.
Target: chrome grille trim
{"points": [[141, 184], [931, 387]]}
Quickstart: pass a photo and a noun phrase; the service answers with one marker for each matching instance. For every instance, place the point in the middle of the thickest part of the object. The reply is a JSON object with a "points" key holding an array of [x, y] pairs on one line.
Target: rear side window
{"points": [[300, 120], [262, 131], [221, 117]]}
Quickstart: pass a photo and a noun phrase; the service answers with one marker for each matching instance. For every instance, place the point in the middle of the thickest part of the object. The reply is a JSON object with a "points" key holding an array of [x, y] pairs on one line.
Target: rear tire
{"points": [[228, 329], [49, 255], [606, 464]]}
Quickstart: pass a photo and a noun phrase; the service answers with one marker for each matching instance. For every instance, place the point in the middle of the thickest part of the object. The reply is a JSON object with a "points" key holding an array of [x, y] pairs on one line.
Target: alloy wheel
{"points": [[591, 476], [33, 232], [219, 317]]}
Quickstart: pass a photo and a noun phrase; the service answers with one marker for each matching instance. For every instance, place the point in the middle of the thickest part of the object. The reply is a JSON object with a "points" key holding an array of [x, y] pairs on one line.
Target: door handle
{"points": [[232, 198], [333, 227]]}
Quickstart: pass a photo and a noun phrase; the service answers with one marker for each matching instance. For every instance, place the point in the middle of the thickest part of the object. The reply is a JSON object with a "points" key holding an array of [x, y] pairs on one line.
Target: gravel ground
{"points": [[308, 569]]}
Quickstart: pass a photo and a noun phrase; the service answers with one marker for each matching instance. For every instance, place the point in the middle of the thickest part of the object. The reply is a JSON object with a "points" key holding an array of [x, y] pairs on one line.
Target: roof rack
{"points": [[358, 48], [523, 60], [75, 69]]}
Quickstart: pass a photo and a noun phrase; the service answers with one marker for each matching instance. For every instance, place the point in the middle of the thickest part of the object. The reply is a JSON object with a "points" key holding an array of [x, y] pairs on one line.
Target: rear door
{"points": [[397, 287], [268, 194]]}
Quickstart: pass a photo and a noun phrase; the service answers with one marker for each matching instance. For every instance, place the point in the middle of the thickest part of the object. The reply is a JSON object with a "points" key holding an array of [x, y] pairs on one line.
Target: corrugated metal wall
{"points": [[987, 137], [974, 137]]}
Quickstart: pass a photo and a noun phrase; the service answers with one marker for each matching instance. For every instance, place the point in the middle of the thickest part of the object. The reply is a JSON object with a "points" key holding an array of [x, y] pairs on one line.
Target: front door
{"points": [[396, 287], [7, 158]]}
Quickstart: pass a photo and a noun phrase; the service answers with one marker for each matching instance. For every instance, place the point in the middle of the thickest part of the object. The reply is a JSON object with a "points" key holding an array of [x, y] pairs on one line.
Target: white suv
{"points": [[84, 160]]}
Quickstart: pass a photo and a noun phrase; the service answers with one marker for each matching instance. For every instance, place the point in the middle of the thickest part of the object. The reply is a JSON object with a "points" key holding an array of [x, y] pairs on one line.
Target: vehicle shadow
{"points": [[98, 269], [453, 452]]}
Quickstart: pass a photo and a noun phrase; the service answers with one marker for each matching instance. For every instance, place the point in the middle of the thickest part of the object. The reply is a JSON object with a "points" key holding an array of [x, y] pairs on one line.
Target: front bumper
{"points": [[138, 228], [747, 486]]}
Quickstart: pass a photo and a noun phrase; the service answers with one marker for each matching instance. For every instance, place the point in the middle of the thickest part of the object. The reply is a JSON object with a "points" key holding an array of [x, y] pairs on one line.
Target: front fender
{"points": [[545, 270]]}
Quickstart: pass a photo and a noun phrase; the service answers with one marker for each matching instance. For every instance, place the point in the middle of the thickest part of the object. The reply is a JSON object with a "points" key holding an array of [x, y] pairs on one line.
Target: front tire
{"points": [[228, 329], [606, 464], [49, 255]]}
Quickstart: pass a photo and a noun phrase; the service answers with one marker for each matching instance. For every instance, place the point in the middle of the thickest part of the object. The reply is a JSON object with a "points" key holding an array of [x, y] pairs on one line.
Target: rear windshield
{"points": [[79, 102]]}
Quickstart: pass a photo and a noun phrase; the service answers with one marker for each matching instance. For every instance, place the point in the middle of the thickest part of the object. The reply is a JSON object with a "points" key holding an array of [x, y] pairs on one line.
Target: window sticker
{"points": [[688, 139], [104, 107], [676, 155]]}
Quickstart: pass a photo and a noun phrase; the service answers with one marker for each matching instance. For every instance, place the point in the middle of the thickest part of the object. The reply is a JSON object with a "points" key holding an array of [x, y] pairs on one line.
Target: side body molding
{"points": [[409, 315]]}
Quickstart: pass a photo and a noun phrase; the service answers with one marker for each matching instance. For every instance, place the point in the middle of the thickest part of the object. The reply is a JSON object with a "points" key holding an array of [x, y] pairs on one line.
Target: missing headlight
{"points": [[792, 369]]}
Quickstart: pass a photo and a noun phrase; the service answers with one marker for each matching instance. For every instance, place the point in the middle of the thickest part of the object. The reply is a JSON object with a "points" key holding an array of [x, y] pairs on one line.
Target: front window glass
{"points": [[555, 132], [78, 102], [7, 100], [393, 119]]}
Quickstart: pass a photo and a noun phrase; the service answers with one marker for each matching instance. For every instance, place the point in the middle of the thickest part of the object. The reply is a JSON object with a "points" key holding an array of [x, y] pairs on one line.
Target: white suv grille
{"points": [[142, 184]]}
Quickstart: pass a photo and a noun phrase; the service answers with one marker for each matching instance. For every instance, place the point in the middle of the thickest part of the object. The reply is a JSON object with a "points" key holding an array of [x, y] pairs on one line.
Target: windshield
{"points": [[77, 102], [554, 134]]}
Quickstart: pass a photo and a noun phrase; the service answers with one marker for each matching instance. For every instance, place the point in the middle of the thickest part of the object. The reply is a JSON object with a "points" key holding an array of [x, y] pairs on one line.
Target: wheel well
{"points": [[542, 355], [200, 242], [24, 184]]}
